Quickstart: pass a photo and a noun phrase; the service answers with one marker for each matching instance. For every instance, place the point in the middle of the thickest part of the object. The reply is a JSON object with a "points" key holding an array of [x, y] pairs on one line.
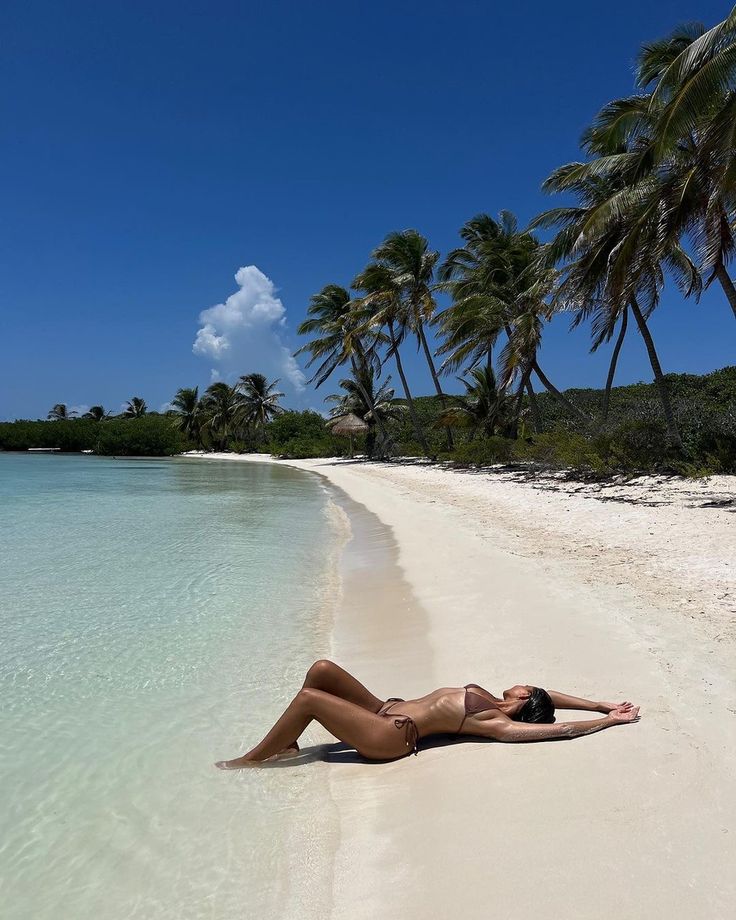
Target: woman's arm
{"points": [[563, 701], [503, 729]]}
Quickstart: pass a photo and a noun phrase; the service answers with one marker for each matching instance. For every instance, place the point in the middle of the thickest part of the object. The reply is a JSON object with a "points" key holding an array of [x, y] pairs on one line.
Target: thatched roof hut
{"points": [[348, 425]]}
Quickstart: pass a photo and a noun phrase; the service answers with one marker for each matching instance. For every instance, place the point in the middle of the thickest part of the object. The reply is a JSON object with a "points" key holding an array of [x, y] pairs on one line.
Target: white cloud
{"points": [[244, 334]]}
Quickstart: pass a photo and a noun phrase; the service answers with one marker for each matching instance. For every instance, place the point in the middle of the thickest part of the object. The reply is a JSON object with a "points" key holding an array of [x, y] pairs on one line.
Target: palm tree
{"points": [[189, 413], [475, 275], [699, 164], [136, 408], [378, 405], [60, 413], [410, 265], [222, 411], [333, 323], [97, 413], [621, 237], [581, 282], [499, 283], [259, 403], [483, 407], [611, 267], [381, 306]]}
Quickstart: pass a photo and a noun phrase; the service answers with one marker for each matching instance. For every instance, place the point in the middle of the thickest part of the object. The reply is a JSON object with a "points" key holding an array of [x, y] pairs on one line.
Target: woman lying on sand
{"points": [[387, 729]]}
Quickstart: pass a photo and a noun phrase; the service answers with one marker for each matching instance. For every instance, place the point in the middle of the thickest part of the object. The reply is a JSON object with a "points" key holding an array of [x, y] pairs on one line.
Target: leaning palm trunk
{"points": [[563, 400], [385, 441], [435, 378], [729, 289], [536, 417], [519, 401], [409, 401], [664, 396], [370, 439], [612, 366]]}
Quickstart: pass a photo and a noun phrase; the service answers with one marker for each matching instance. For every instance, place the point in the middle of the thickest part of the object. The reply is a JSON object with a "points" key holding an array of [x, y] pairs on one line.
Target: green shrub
{"points": [[635, 445], [482, 452], [149, 436], [305, 448], [408, 448], [300, 435], [428, 409], [290, 425], [560, 449]]}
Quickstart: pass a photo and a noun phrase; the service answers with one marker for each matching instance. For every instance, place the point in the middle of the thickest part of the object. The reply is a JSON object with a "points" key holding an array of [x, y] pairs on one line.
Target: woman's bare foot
{"points": [[239, 762], [291, 751]]}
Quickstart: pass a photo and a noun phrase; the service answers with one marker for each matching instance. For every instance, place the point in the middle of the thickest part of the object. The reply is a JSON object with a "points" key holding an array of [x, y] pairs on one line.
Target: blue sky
{"points": [[151, 150]]}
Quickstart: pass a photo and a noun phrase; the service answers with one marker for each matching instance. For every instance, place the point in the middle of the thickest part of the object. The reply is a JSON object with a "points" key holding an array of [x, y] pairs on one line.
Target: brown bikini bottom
{"points": [[405, 722]]}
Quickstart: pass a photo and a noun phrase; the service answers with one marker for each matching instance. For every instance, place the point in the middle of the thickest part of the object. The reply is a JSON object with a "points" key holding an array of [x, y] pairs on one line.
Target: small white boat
{"points": [[87, 451]]}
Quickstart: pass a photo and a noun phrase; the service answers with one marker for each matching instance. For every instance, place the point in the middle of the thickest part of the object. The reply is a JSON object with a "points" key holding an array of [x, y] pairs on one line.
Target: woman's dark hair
{"points": [[538, 708]]}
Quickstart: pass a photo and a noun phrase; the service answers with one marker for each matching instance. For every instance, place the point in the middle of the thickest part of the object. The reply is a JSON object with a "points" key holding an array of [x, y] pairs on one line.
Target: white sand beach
{"points": [[608, 592]]}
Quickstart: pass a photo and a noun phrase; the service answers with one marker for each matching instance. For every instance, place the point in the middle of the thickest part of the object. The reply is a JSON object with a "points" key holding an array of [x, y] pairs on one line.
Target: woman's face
{"points": [[518, 692]]}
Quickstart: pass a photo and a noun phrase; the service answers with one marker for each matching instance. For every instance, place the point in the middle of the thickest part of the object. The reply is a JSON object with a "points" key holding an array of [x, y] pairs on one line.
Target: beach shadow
{"points": [[341, 753]]}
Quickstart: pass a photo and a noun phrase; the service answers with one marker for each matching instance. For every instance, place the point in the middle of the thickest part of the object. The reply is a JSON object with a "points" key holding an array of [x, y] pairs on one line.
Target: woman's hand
{"points": [[620, 716], [611, 707]]}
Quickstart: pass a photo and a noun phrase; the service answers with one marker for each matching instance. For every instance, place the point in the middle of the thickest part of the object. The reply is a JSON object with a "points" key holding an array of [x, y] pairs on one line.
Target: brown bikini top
{"points": [[475, 703]]}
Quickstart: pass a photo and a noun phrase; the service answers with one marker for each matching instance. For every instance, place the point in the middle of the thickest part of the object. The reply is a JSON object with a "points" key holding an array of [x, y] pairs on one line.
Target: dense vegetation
{"points": [[149, 436], [651, 203], [633, 440]]}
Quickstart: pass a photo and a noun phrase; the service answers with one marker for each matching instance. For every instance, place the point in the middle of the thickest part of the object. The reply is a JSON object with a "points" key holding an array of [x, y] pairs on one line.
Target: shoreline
{"points": [[517, 584], [388, 656], [366, 547]]}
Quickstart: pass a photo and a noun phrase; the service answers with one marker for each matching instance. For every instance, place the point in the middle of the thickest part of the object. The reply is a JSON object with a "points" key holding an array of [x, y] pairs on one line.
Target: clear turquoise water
{"points": [[156, 616]]}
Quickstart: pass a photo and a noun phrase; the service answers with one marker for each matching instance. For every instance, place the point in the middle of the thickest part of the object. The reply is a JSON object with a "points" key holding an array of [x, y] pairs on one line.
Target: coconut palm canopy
{"points": [[97, 414], [347, 424], [135, 408], [60, 412]]}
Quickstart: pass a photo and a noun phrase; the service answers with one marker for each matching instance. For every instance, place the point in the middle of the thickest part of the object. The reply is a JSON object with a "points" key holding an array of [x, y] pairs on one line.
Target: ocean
{"points": [[156, 616]]}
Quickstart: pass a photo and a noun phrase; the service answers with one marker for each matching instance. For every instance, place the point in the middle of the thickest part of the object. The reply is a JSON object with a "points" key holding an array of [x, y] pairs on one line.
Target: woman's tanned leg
{"points": [[372, 736], [330, 677]]}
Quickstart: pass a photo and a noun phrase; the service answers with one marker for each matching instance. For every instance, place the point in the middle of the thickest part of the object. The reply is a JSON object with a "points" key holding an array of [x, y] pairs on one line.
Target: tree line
{"points": [[224, 415]]}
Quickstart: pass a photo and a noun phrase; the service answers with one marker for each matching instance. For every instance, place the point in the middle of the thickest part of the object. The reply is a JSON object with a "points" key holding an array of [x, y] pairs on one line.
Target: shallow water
{"points": [[157, 616]]}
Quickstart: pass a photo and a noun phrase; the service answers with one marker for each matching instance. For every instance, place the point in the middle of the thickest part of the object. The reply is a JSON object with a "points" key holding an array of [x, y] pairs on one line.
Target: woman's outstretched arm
{"points": [[504, 729], [564, 701]]}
